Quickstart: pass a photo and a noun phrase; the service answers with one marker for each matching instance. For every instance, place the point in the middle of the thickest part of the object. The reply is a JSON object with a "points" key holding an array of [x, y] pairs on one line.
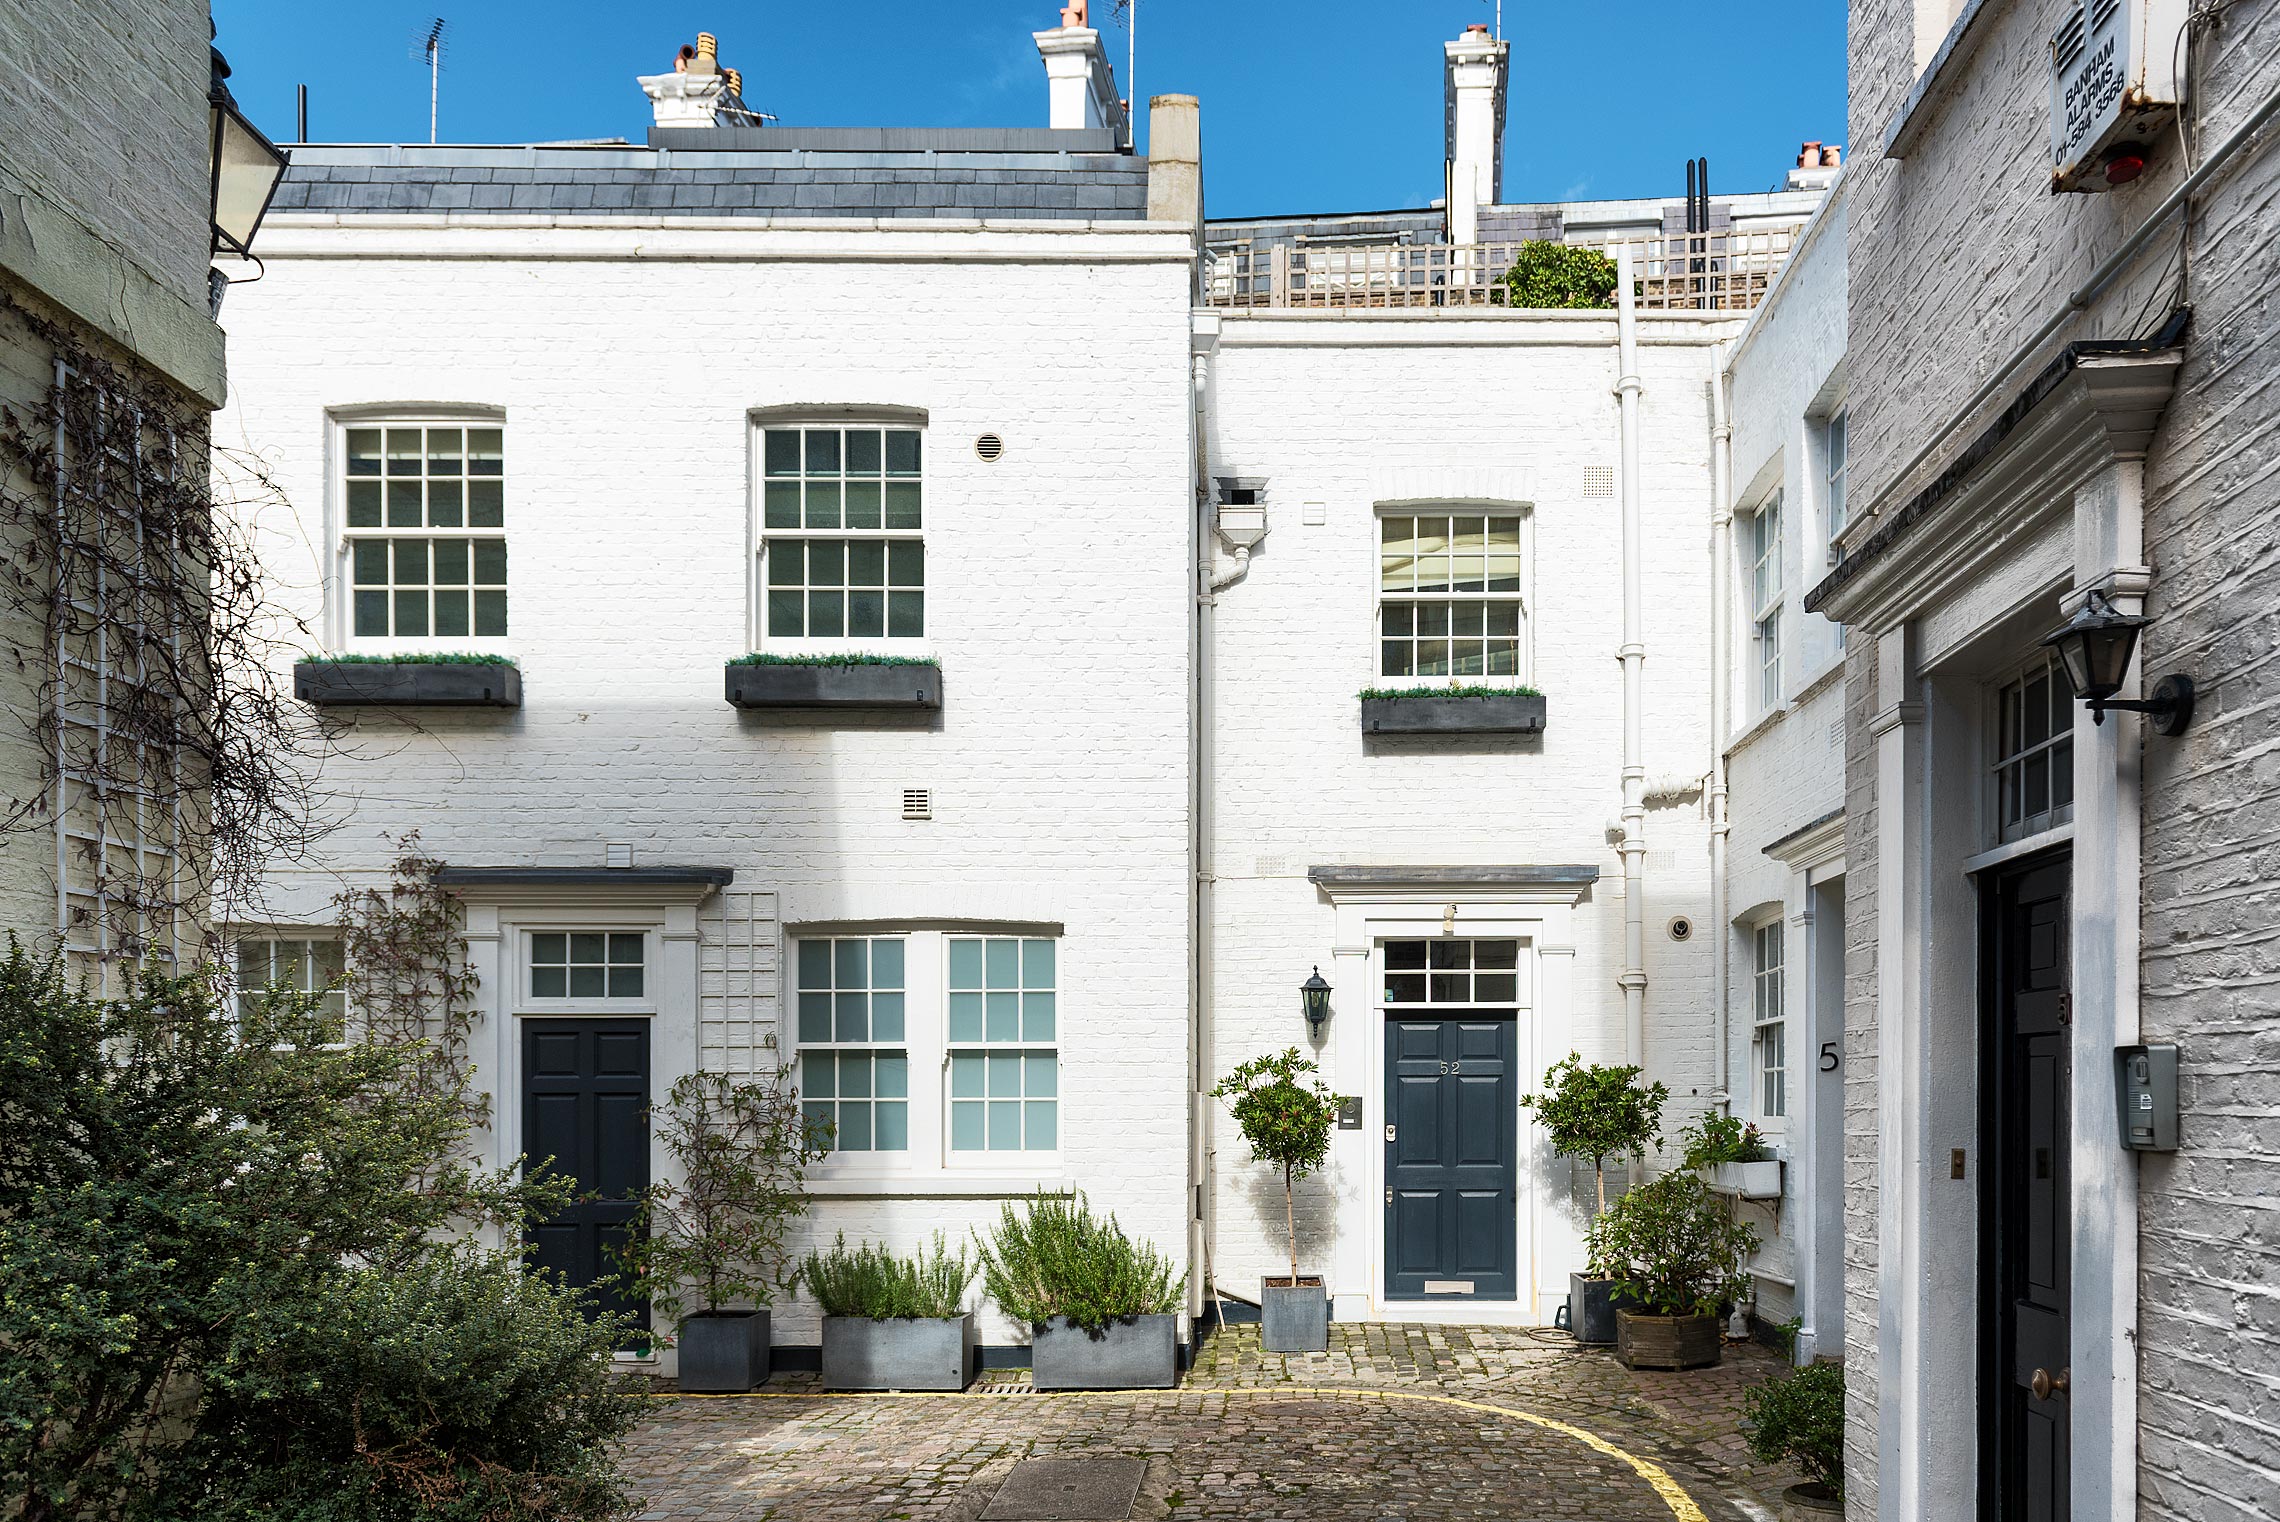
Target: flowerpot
{"points": [[1592, 1304], [1135, 1353], [1666, 1342], [724, 1351], [1749, 1181], [1294, 1318], [1504, 713], [408, 684], [910, 1353], [1812, 1502], [904, 684]]}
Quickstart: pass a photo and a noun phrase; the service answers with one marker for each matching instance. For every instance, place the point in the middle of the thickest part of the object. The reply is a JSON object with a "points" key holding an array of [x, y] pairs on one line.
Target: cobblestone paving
{"points": [[1342, 1436]]}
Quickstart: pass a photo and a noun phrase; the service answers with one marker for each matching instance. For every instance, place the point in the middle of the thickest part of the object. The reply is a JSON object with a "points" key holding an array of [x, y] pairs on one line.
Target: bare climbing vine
{"points": [[409, 981]]}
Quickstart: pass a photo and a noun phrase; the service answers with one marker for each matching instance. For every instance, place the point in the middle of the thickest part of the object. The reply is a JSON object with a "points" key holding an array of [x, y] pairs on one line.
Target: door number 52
{"points": [[1452, 1067]]}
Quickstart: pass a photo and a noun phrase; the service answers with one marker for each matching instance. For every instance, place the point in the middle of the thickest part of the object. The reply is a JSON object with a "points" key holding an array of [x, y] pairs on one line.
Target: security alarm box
{"points": [[2145, 1081], [2114, 87]]}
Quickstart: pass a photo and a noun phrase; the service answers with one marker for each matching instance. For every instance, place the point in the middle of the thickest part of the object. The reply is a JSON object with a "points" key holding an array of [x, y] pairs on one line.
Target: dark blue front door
{"points": [[585, 1114], [1451, 1157]]}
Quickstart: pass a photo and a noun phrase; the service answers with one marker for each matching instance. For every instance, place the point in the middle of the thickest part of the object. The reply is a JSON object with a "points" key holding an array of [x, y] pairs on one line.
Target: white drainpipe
{"points": [[1721, 676], [1633, 655]]}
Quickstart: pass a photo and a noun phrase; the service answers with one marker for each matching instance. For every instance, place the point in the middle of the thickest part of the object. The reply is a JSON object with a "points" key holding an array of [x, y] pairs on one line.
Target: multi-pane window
{"points": [[840, 519], [854, 1064], [1003, 1035], [1772, 1030], [1833, 452], [303, 965], [1445, 970], [426, 530], [1765, 598], [2034, 752], [1449, 601], [587, 965]]}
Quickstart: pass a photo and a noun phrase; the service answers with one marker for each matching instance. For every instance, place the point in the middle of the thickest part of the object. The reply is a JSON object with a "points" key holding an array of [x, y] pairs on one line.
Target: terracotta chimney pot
{"points": [[1832, 156]]}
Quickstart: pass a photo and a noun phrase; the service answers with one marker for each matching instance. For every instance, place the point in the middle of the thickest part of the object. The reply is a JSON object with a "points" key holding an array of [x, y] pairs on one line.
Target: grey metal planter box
{"points": [[1592, 1304], [1506, 714], [1136, 1353], [1294, 1318], [724, 1351], [906, 1354], [408, 684], [851, 686]]}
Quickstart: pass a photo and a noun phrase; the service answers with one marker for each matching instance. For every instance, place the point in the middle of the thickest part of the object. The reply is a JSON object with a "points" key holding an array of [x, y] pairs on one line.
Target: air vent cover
{"points": [[989, 446], [1599, 480], [918, 803]]}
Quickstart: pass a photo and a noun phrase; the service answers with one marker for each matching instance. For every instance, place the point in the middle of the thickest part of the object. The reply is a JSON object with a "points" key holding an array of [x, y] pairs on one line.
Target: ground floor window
{"points": [[854, 1069], [301, 963], [1004, 1066]]}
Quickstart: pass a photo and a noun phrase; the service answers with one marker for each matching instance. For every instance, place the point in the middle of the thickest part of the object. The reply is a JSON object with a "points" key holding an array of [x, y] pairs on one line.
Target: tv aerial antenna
{"points": [[427, 48]]}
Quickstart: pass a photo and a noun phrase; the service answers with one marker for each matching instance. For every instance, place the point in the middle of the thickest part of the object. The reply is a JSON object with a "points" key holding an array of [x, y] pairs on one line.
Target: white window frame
{"points": [[2056, 746], [1765, 588], [762, 536], [272, 937], [1769, 1021], [835, 1047], [529, 1001], [1835, 460], [1524, 600], [340, 600], [930, 1162]]}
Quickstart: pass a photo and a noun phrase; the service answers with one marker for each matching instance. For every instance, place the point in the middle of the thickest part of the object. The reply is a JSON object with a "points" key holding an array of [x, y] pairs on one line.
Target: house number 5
{"points": [[1828, 1056]]}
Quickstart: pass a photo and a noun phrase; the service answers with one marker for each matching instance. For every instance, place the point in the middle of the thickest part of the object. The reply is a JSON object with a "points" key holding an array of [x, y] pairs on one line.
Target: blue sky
{"points": [[1332, 106]]}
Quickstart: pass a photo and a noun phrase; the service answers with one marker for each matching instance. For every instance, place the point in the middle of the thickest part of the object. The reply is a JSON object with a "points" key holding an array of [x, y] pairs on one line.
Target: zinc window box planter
{"points": [[826, 684], [903, 1353], [324, 683], [1453, 711], [1747, 1181], [1133, 1353]]}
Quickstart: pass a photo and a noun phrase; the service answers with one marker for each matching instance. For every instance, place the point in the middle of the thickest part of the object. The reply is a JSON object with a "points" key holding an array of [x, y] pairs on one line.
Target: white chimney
{"points": [[690, 95], [1081, 84], [1477, 69]]}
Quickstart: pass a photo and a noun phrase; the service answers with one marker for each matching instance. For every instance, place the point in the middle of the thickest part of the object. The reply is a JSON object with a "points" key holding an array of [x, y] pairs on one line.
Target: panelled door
{"points": [[585, 1102], [2027, 1288], [1451, 1156]]}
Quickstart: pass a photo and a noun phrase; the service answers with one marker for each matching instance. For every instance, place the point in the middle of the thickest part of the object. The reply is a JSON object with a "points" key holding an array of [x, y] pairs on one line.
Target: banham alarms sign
{"points": [[2113, 83]]}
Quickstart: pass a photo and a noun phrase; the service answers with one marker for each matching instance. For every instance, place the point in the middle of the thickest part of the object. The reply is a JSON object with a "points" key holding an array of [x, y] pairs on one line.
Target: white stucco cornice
{"points": [[1497, 485], [750, 239]]}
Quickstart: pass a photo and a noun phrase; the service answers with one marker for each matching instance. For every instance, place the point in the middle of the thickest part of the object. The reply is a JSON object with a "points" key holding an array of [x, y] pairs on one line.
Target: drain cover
{"points": [[1068, 1490]]}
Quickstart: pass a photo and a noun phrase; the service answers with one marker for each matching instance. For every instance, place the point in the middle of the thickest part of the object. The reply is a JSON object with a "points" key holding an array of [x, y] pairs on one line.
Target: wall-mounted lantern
{"points": [[1314, 993], [244, 169], [2095, 646]]}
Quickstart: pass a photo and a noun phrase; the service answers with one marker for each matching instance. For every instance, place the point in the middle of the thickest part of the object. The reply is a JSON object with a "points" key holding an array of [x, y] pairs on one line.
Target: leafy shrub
{"points": [[1801, 1419], [460, 1387], [1286, 1120], [1715, 1138], [872, 1282], [438, 658], [1598, 1112], [759, 658], [1551, 275], [723, 1233], [1673, 1247], [1056, 1258], [1452, 690]]}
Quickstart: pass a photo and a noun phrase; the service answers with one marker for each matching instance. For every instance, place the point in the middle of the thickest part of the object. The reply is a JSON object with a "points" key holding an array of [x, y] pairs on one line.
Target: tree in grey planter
{"points": [[1287, 1115], [721, 1237], [1594, 1111]]}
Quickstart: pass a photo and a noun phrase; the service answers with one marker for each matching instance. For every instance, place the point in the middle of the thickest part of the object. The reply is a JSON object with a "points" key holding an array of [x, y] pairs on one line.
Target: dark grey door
{"points": [[585, 1107], [1451, 1158], [2027, 1287]]}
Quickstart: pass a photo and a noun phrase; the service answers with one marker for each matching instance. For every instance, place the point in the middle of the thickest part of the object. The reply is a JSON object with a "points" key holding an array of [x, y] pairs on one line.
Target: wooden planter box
{"points": [[408, 684], [1748, 1181], [1137, 1353], [723, 1352], [850, 686], [911, 1353], [1507, 714], [1294, 1318], [1666, 1342]]}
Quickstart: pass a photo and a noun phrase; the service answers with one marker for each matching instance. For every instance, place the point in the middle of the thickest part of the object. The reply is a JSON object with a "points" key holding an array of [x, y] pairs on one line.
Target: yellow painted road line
{"points": [[1682, 1506]]}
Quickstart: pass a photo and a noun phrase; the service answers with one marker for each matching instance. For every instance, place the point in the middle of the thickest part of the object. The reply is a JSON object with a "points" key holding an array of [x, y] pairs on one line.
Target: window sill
{"points": [[1915, 114], [938, 1185], [2012, 850], [1749, 732]]}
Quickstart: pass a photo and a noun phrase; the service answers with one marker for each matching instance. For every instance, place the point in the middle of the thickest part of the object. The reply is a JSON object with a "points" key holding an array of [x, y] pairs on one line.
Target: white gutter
{"points": [[1721, 677], [1633, 655]]}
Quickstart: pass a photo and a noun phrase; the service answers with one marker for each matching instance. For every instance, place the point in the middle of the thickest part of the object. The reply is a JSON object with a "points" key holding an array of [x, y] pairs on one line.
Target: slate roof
{"points": [[738, 172]]}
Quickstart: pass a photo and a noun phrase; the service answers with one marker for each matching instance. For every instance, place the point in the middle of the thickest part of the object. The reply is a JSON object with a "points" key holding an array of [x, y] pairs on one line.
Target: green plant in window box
{"points": [[431, 658], [856, 658], [1449, 690], [1715, 1138]]}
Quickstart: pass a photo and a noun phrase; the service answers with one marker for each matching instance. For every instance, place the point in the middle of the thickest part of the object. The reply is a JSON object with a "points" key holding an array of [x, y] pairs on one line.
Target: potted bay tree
{"points": [[1287, 1115], [710, 1251], [890, 1322], [1596, 1111], [1676, 1253], [1101, 1308]]}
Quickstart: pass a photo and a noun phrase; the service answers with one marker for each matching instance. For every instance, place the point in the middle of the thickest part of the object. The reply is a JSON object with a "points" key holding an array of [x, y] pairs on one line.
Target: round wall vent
{"points": [[989, 446], [1681, 928]]}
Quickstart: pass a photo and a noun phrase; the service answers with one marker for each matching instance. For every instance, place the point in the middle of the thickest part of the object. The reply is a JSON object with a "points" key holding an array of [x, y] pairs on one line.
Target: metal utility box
{"points": [[2145, 1084], [2114, 85]]}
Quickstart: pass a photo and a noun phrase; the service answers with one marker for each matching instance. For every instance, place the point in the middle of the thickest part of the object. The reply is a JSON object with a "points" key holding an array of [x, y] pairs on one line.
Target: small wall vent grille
{"points": [[918, 803], [1599, 480], [989, 446]]}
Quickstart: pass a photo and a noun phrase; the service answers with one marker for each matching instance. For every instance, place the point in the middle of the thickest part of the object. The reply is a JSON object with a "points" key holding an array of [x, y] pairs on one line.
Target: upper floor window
{"points": [[1771, 1031], [1449, 596], [1765, 587], [425, 524], [2034, 751], [841, 515], [1833, 473]]}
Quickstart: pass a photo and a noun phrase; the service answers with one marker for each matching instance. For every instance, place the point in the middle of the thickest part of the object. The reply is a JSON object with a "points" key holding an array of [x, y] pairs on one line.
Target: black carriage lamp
{"points": [[244, 168], [1314, 993], [2095, 646]]}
